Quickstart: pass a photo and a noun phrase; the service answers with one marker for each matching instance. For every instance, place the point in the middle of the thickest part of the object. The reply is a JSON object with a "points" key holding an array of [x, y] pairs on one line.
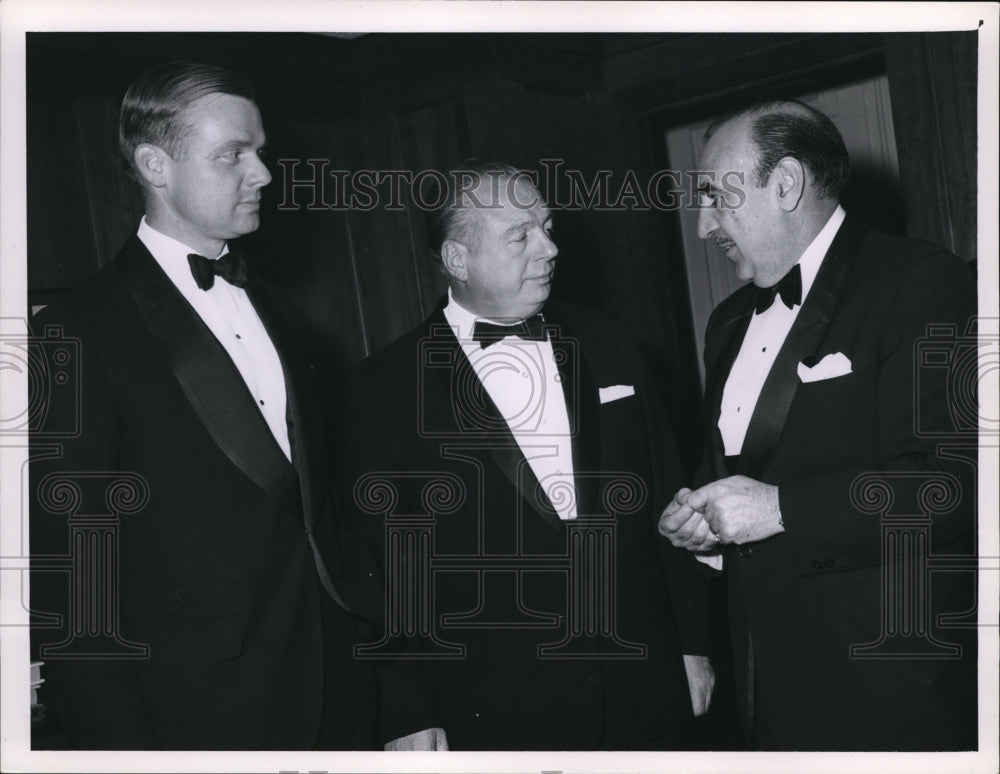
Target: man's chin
{"points": [[743, 271], [530, 310], [247, 225]]}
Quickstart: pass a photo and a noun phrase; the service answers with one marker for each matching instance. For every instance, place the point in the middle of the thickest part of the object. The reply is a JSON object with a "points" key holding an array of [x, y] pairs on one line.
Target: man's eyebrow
{"points": [[525, 224], [518, 226], [235, 145]]}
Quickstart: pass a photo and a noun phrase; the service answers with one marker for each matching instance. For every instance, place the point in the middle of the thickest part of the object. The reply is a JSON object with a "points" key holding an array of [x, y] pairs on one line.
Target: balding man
{"points": [[512, 453], [819, 406]]}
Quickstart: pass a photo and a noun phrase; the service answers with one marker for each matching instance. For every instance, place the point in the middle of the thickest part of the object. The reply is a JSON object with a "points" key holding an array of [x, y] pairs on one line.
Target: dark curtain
{"points": [[932, 80]]}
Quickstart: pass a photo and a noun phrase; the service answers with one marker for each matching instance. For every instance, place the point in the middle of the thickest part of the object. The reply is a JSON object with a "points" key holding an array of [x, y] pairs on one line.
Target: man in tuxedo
{"points": [[211, 612], [507, 460], [836, 470]]}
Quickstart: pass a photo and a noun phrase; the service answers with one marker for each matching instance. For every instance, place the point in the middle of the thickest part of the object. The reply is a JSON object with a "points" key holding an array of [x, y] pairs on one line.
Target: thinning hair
{"points": [[789, 128], [153, 107], [452, 216]]}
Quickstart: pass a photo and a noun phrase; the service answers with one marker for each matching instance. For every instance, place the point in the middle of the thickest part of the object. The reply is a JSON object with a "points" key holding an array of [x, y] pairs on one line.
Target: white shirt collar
{"points": [[170, 254], [462, 321], [813, 256]]}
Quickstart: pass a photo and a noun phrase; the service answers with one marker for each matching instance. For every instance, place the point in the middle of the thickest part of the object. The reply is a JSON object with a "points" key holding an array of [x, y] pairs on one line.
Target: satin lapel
{"points": [[730, 333], [478, 421], [305, 430], [582, 406], [804, 339], [211, 382], [303, 411]]}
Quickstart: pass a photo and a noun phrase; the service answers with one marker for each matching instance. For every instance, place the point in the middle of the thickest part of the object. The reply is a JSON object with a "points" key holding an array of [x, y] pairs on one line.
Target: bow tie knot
{"points": [[487, 333], [789, 288], [231, 267]]}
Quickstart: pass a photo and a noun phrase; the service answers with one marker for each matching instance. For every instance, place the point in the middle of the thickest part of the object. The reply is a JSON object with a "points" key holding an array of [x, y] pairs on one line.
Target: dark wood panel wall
{"points": [[360, 277], [80, 201]]}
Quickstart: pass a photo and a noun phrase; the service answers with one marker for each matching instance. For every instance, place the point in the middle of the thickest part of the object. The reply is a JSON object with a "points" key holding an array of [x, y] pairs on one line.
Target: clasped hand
{"points": [[731, 510]]}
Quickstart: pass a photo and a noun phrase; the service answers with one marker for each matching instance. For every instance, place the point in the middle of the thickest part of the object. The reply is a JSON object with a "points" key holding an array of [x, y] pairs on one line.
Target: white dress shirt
{"points": [[523, 381], [231, 318], [764, 338]]}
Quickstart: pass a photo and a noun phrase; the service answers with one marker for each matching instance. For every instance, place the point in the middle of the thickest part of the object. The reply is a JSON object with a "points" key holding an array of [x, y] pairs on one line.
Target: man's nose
{"points": [[547, 249], [706, 222], [259, 175]]}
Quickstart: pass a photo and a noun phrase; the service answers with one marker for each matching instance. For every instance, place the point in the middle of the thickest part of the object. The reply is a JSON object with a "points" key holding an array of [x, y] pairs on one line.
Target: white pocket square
{"points": [[833, 365], [615, 392]]}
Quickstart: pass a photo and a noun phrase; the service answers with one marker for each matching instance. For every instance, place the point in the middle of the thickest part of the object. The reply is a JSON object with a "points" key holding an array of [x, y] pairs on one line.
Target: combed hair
{"points": [[450, 217], [152, 109], [788, 128]]}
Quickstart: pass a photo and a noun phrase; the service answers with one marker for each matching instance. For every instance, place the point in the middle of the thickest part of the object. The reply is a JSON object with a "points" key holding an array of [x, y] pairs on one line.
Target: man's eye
{"points": [[707, 199], [230, 157], [520, 238]]}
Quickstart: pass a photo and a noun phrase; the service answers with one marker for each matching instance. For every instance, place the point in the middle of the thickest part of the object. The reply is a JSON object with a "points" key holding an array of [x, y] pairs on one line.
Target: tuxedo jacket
{"points": [[518, 655], [837, 622], [221, 558]]}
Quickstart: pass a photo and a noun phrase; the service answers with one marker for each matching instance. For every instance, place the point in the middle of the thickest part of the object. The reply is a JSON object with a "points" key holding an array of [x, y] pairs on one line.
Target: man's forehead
{"points": [[213, 103], [728, 146], [227, 110]]}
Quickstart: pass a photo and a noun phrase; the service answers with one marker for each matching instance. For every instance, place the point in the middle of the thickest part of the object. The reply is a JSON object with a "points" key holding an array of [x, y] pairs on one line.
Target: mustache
{"points": [[721, 240]]}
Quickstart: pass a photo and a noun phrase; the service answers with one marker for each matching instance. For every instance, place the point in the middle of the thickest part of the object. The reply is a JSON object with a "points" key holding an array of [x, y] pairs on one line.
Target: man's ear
{"points": [[789, 179], [454, 256], [150, 160]]}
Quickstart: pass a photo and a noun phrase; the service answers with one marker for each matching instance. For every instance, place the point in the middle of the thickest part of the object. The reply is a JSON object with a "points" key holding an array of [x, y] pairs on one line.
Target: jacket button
{"points": [[746, 551], [817, 565], [828, 563]]}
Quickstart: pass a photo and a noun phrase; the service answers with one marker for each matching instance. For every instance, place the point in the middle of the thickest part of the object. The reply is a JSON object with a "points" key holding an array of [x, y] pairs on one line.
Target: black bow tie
{"points": [[231, 267], [789, 288], [486, 333]]}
